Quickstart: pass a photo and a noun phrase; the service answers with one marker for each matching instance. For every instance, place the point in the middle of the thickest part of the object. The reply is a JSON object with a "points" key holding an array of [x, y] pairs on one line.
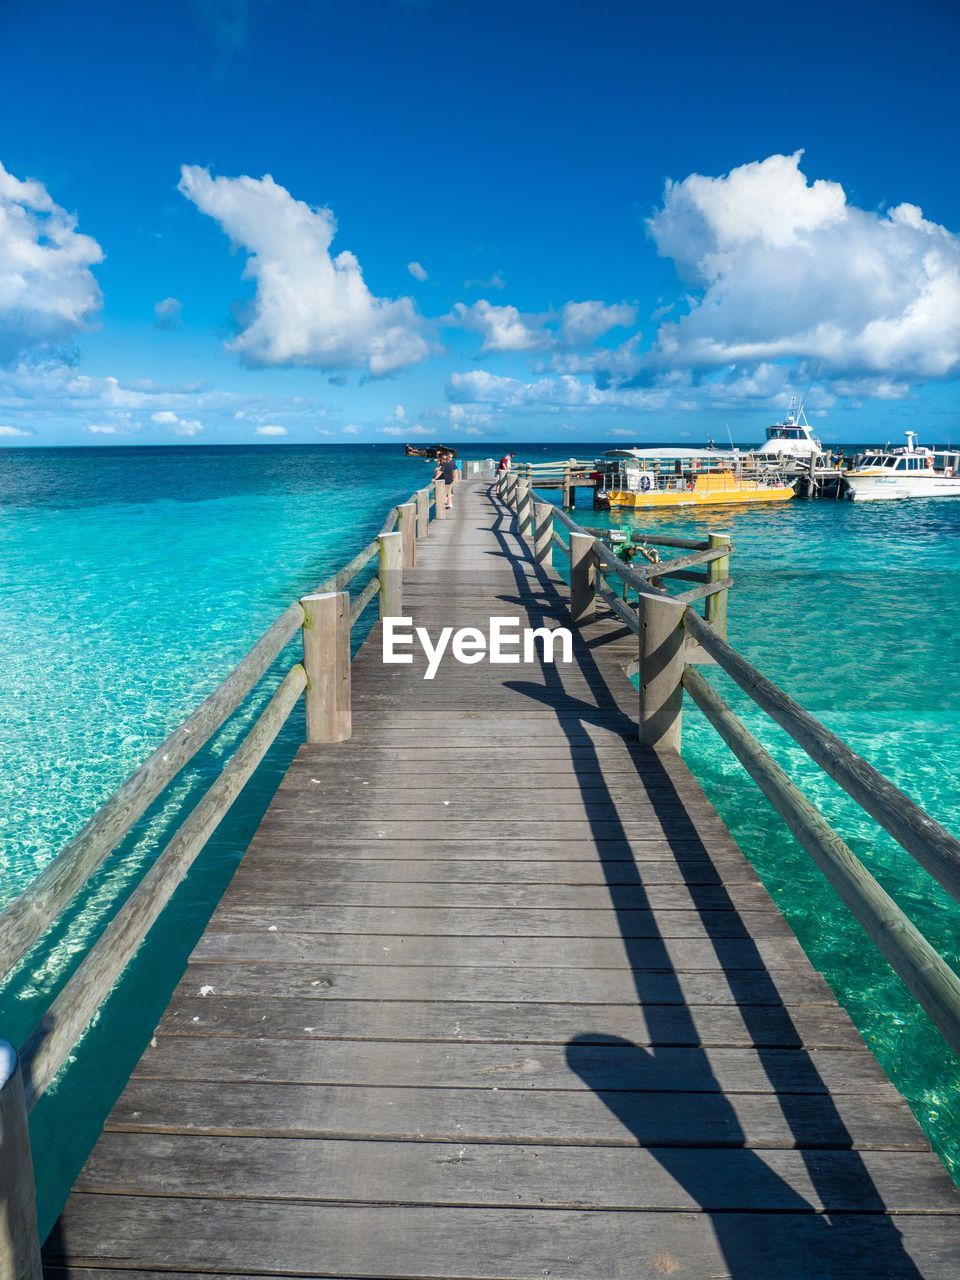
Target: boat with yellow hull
{"points": [[711, 488]]}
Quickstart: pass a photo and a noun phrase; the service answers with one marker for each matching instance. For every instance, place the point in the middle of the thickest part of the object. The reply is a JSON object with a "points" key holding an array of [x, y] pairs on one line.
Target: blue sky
{"points": [[518, 267]]}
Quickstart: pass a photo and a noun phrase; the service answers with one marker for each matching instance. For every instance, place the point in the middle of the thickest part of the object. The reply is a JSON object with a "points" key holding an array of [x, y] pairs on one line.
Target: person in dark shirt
{"points": [[447, 472]]}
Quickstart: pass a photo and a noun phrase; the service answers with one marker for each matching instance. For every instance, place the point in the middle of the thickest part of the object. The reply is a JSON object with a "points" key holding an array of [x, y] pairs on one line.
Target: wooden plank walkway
{"points": [[494, 993]]}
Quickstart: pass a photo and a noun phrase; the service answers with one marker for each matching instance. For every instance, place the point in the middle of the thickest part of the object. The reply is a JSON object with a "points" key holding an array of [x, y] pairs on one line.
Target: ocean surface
{"points": [[133, 580]]}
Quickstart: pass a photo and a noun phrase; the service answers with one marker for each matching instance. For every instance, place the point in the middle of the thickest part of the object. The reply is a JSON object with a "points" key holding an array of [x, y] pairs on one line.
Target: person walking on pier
{"points": [[447, 472]]}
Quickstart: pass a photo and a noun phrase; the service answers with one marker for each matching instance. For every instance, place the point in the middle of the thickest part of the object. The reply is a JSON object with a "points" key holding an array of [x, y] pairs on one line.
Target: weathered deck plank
{"points": [[494, 993]]}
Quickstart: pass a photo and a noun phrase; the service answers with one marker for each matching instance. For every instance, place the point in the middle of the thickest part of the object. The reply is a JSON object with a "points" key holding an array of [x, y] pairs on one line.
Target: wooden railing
{"points": [[566, 475], [673, 639], [324, 618]]}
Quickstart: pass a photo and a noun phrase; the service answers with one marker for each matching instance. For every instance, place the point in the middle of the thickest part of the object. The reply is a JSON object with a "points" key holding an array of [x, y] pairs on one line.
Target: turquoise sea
{"points": [[132, 580]]}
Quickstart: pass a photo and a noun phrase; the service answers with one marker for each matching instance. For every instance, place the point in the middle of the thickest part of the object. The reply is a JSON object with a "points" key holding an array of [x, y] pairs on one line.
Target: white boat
{"points": [[791, 439], [909, 472]]}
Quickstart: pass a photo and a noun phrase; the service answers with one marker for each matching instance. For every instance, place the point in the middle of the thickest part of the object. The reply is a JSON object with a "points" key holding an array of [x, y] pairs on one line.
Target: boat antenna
{"points": [[803, 398], [730, 437]]}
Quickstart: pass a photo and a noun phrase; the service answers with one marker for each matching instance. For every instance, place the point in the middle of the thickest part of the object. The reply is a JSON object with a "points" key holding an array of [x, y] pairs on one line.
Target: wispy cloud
{"points": [[496, 281], [9, 431], [168, 314], [272, 430], [417, 271]]}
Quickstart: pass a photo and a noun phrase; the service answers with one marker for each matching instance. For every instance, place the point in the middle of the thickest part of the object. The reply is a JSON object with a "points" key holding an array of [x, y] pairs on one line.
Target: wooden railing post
{"points": [[19, 1242], [439, 498], [661, 672], [423, 512], [715, 606], [543, 533], [326, 660], [567, 504], [390, 573], [407, 524], [583, 600], [523, 506]]}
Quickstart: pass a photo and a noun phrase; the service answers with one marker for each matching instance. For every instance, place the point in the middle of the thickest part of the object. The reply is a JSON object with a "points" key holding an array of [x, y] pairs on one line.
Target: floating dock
{"points": [[494, 993]]}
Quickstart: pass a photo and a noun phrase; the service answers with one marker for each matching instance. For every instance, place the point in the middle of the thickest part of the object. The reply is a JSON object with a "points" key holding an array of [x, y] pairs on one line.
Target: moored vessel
{"points": [[911, 471], [642, 478], [792, 439]]}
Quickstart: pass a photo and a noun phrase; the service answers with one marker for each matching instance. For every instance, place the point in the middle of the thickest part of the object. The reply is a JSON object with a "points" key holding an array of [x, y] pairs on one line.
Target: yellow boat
{"points": [[705, 488]]}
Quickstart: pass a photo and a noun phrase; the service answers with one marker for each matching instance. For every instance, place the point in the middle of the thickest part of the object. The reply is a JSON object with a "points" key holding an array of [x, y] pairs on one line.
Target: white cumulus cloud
{"points": [[350, 430], [14, 431], [310, 308], [47, 290], [102, 429], [503, 328], [784, 268], [405, 431], [583, 322], [417, 271], [182, 426], [272, 431]]}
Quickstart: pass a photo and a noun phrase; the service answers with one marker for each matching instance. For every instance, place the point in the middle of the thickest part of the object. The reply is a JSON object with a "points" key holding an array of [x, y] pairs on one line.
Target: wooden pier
{"points": [[494, 993]]}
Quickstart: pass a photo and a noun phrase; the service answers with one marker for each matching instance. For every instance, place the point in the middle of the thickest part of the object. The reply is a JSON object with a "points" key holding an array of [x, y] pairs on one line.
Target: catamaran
{"points": [[678, 477], [911, 471]]}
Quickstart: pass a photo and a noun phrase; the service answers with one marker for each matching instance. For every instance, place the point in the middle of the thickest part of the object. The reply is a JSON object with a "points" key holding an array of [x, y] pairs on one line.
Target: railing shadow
{"points": [[629, 1078]]}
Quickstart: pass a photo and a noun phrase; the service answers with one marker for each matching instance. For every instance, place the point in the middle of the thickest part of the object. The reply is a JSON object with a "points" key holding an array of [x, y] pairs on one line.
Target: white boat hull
{"points": [[888, 488]]}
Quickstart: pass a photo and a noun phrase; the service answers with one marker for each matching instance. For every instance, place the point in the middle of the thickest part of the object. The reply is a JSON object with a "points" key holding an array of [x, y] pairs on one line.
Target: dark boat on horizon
{"points": [[428, 450]]}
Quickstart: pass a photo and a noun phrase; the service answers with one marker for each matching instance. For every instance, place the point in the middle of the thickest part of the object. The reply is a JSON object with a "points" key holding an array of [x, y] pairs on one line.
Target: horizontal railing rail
{"points": [[672, 639]]}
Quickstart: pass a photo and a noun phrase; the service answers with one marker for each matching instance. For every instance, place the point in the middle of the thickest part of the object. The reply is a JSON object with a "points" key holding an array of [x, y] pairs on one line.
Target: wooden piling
{"points": [[439, 498], [390, 573], [567, 488], [326, 660], [19, 1242], [407, 523], [423, 512], [661, 671], [715, 608], [523, 506], [543, 533], [583, 603]]}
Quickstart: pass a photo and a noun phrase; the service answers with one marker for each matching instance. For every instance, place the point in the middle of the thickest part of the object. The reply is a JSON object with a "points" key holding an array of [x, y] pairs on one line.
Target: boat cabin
{"points": [[786, 431]]}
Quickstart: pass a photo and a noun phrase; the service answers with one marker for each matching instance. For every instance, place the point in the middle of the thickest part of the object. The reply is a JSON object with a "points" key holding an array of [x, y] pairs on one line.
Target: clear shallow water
{"points": [[131, 581]]}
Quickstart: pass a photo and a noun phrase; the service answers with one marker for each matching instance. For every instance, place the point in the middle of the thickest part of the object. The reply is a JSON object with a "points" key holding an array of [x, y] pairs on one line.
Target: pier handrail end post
{"points": [[583, 597], [326, 660], [390, 572], [543, 534], [715, 606], [19, 1237], [407, 521], [523, 506], [423, 512], [661, 672]]}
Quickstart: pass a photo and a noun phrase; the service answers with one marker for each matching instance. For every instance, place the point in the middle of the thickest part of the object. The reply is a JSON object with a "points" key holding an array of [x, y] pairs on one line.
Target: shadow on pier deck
{"points": [[494, 993]]}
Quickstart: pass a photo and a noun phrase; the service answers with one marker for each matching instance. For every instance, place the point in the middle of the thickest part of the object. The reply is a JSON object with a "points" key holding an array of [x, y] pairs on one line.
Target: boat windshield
{"points": [[784, 433], [872, 460]]}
